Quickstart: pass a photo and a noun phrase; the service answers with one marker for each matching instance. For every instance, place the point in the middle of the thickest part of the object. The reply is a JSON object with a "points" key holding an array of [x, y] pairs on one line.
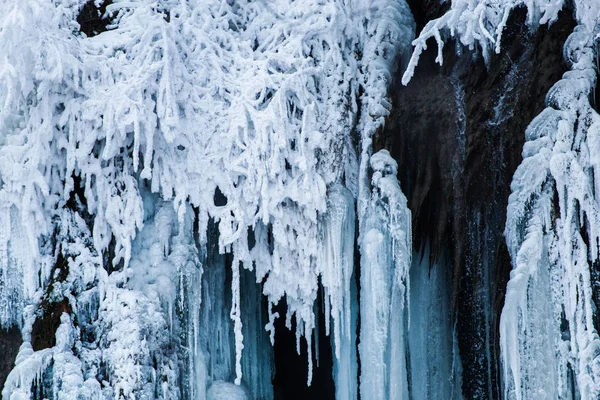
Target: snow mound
{"points": [[221, 390]]}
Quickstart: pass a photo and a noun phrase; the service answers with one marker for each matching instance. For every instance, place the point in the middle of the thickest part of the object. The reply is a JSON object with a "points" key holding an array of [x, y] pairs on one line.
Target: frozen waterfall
{"points": [[193, 191]]}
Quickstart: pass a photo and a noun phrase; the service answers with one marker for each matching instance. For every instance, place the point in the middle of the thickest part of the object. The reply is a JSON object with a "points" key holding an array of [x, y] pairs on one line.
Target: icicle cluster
{"points": [[481, 23], [336, 267], [115, 343], [241, 113], [553, 232]]}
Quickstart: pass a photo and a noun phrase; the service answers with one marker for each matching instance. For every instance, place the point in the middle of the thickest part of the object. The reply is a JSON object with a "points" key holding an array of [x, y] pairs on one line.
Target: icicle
{"points": [[336, 266], [345, 368], [252, 139], [237, 321], [309, 347], [478, 22]]}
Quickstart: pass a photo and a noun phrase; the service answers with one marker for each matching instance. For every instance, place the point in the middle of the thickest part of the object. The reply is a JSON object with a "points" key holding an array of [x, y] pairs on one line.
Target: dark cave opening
{"points": [[92, 18], [291, 368], [10, 340]]}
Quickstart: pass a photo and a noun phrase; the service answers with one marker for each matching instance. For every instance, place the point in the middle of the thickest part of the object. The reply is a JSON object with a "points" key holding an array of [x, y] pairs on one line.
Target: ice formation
{"points": [[166, 182], [386, 250], [435, 365], [165, 157], [549, 342], [478, 24], [552, 233]]}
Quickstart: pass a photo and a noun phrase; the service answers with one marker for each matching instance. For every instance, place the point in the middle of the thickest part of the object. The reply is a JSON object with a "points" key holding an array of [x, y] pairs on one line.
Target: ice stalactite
{"points": [[386, 249], [549, 340], [384, 221], [346, 366], [336, 266]]}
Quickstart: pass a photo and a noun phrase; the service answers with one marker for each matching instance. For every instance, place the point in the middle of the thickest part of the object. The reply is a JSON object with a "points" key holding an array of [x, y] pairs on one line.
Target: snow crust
{"points": [[225, 391]]}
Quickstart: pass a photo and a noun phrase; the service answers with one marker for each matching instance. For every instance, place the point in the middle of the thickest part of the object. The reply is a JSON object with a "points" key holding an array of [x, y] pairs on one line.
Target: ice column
{"points": [[385, 246]]}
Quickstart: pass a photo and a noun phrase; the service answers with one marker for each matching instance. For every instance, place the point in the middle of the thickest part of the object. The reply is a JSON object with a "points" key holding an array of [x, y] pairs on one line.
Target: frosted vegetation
{"points": [[161, 178]]}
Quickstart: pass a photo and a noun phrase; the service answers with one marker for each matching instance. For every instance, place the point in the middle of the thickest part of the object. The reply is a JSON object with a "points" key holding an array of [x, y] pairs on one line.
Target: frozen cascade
{"points": [[257, 358], [114, 149], [386, 249], [550, 230], [552, 233], [211, 330], [215, 327]]}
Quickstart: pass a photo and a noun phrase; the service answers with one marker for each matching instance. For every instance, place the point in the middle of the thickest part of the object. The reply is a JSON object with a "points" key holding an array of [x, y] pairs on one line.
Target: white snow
{"points": [[178, 102], [220, 390], [481, 23]]}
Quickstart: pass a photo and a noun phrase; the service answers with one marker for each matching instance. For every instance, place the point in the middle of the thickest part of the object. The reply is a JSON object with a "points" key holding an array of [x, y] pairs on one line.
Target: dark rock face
{"points": [[457, 133], [10, 341], [92, 18], [43, 331]]}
